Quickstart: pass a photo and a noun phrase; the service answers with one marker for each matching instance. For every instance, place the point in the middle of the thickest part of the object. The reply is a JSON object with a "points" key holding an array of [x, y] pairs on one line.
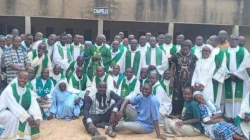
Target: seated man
{"points": [[129, 86], [20, 119], [189, 124], [79, 80], [148, 116], [101, 76], [99, 108], [43, 87], [243, 119], [66, 103], [162, 96], [57, 74], [73, 65], [117, 77], [144, 77], [165, 83]]}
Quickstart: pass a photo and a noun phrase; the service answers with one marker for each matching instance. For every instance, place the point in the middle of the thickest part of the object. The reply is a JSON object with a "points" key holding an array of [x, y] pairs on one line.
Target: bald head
{"points": [[161, 39], [100, 71], [222, 36], [242, 41], [143, 41], [38, 36], [180, 38], [168, 38]]}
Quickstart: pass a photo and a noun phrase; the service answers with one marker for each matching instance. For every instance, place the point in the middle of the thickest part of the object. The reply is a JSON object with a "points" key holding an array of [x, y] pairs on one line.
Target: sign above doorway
{"points": [[101, 11]]}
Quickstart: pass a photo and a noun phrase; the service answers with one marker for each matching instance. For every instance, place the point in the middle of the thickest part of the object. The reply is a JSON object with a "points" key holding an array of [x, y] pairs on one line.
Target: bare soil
{"points": [[74, 130]]}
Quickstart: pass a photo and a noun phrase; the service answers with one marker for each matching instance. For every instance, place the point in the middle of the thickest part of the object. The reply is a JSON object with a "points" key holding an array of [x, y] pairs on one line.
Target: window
{"points": [[88, 34], [107, 34], [9, 28], [49, 31], [141, 33], [33, 30], [125, 34], [69, 31]]}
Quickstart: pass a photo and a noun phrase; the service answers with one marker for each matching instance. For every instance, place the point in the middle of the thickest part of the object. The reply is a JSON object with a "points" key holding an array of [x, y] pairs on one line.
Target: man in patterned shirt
{"points": [[15, 59]]}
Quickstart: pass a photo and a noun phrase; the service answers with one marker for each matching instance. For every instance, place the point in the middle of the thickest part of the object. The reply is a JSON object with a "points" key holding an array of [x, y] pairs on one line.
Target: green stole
{"points": [[70, 70], [25, 48], [97, 79], [154, 89], [121, 48], [119, 80], [82, 82], [60, 51], [44, 40], [218, 59], [228, 83], [25, 103], [173, 50], [136, 62], [170, 91], [141, 82], [43, 90], [158, 55], [54, 81], [126, 89], [44, 62], [193, 49], [72, 48], [29, 85], [116, 59]]}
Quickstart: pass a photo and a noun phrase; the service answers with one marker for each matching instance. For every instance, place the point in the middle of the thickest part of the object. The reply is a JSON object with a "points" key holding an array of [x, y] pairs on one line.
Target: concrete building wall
{"points": [[183, 11]]}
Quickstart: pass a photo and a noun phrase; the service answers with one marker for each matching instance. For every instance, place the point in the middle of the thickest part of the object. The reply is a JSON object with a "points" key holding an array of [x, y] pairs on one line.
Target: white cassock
{"points": [[134, 92], [178, 48], [203, 75], [120, 61], [77, 51], [143, 49], [36, 44], [164, 63], [110, 85], [164, 100], [56, 77], [88, 83], [57, 59], [220, 76], [49, 48], [167, 48], [10, 118], [107, 45], [198, 51], [39, 62], [141, 65], [233, 109]]}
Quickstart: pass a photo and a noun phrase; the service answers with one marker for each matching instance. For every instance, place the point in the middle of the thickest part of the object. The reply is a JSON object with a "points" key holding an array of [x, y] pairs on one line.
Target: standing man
{"points": [[104, 41], [156, 60], [236, 86], [26, 44], [69, 38], [76, 48], [73, 65], [242, 41], [180, 38], [50, 44], [61, 54], [15, 59], [182, 69], [19, 112], [134, 59], [2, 79], [40, 59], [121, 34], [142, 46], [223, 43], [38, 38], [197, 48], [97, 55], [168, 47], [8, 43], [15, 32], [117, 56], [148, 35], [161, 40]]}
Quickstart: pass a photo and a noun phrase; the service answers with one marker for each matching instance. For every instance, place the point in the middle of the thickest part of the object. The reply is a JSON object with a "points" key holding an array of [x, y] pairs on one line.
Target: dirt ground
{"points": [[73, 130]]}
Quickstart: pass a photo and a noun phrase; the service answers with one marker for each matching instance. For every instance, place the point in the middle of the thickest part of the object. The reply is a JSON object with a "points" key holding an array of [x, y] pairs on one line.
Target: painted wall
{"points": [[184, 11]]}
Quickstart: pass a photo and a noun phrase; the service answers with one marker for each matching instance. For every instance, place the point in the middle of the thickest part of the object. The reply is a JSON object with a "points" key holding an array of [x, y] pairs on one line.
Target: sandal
{"points": [[100, 125], [98, 138], [110, 132]]}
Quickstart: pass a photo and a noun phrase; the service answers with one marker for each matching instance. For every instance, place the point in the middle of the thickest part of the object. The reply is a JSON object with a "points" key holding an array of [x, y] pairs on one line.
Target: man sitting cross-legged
{"points": [[101, 107]]}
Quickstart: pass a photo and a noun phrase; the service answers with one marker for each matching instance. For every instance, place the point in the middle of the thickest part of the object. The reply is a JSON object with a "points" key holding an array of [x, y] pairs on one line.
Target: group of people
{"points": [[127, 85]]}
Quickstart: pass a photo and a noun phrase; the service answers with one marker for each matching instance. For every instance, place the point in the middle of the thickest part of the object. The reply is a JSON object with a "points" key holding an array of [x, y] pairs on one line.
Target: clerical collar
{"points": [[130, 79], [134, 51], [98, 47]]}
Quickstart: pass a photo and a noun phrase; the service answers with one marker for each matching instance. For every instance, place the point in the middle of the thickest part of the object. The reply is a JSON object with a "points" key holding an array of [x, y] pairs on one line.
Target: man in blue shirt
{"points": [[148, 113]]}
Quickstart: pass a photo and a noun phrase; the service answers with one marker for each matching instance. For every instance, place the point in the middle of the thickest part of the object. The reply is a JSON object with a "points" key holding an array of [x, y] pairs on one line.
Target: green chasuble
{"points": [[103, 52], [81, 84], [72, 46], [158, 55], [228, 83], [44, 62], [126, 89], [136, 62], [60, 51], [218, 59], [43, 90], [25, 103], [167, 89], [97, 80]]}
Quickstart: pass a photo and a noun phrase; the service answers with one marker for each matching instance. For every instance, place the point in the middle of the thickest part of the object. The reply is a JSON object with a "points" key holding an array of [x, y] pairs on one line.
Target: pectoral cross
{"points": [[39, 89]]}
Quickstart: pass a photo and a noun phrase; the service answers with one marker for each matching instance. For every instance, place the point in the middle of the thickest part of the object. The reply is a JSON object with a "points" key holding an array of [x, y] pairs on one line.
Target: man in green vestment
{"points": [[117, 77], [161, 40], [76, 48], [73, 65], [242, 41], [197, 48], [79, 80], [144, 77], [117, 56], [142, 45], [180, 38], [26, 44], [148, 35], [97, 55], [19, 112], [57, 74]]}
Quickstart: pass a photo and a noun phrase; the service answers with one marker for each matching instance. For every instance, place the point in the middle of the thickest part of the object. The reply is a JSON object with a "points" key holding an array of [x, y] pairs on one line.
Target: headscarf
{"points": [[197, 93], [68, 87], [88, 42], [210, 47]]}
